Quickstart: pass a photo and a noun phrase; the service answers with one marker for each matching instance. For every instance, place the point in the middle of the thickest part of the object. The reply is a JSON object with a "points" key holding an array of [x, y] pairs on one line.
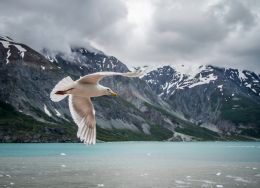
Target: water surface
{"points": [[131, 164]]}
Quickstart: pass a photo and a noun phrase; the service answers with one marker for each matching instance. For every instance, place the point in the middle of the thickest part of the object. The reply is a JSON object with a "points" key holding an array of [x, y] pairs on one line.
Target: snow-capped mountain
{"points": [[167, 79], [166, 104], [226, 100], [27, 114]]}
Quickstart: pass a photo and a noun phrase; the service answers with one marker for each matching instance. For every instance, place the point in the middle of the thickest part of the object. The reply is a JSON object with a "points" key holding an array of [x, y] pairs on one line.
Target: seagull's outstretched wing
{"points": [[83, 114], [96, 77]]}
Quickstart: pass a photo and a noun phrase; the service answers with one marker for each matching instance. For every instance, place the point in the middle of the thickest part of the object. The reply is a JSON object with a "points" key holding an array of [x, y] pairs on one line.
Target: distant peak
{"points": [[88, 49]]}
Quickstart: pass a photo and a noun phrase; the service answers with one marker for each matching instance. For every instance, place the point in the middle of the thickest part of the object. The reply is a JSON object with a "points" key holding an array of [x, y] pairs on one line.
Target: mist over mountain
{"points": [[211, 104]]}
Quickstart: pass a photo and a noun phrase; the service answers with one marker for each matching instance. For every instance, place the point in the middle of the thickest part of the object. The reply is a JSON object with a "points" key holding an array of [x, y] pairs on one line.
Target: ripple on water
{"points": [[144, 174], [182, 182], [237, 178]]}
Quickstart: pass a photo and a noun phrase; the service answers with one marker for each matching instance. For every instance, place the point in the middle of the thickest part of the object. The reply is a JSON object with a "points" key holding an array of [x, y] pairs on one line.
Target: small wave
{"points": [[144, 174], [203, 181], [237, 178], [182, 182]]}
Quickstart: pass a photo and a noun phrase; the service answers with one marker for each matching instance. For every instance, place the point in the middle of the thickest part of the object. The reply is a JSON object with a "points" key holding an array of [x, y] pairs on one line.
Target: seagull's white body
{"points": [[87, 90], [80, 93]]}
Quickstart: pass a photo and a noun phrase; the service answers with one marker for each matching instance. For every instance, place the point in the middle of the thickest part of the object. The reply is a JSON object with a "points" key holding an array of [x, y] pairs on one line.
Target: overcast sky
{"points": [[142, 32]]}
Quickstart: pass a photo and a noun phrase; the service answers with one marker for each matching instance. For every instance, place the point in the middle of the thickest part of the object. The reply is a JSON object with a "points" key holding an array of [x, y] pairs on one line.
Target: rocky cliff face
{"points": [[223, 100], [27, 114]]}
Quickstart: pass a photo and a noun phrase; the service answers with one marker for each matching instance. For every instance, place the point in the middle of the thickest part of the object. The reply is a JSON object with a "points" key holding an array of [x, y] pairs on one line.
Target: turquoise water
{"points": [[131, 164]]}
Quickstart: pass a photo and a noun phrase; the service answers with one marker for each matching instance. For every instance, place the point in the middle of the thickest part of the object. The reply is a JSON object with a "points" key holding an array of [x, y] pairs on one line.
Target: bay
{"points": [[131, 164]]}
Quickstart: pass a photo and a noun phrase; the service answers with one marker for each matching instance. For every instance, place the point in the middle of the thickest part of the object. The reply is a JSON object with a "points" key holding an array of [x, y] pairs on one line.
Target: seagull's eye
{"points": [[107, 89]]}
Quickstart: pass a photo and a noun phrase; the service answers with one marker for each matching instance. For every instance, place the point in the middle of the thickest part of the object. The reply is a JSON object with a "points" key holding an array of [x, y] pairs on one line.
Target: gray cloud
{"points": [[224, 34], [60, 23], [185, 30], [235, 13], [220, 32]]}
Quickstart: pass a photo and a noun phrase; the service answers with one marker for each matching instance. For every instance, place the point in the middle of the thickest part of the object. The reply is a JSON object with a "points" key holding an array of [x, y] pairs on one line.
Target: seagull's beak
{"points": [[114, 94]]}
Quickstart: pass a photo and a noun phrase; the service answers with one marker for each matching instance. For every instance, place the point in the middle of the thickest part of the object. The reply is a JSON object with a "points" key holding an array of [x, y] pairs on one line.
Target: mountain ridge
{"points": [[139, 113], [225, 100], [27, 81]]}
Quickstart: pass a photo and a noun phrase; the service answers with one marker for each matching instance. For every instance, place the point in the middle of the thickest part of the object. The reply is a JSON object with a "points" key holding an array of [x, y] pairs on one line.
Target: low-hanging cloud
{"points": [[219, 32], [58, 24]]}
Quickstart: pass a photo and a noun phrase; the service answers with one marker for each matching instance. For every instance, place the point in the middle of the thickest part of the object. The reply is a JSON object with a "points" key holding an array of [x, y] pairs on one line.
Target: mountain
{"points": [[28, 115], [207, 103], [224, 100]]}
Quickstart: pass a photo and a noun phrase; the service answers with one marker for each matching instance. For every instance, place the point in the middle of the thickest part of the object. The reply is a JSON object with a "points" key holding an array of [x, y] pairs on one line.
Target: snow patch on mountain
{"points": [[241, 75], [196, 82], [8, 55], [191, 70], [21, 49], [57, 112], [46, 110], [6, 44], [194, 76], [220, 87]]}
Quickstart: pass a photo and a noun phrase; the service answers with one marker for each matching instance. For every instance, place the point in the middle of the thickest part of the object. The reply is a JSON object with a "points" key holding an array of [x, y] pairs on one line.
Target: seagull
{"points": [[80, 93]]}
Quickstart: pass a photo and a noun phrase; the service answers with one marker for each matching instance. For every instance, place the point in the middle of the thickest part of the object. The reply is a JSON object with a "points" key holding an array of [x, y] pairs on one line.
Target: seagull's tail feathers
{"points": [[59, 91]]}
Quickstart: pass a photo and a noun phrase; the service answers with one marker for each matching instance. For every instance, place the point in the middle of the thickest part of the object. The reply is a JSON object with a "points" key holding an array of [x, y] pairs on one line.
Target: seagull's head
{"points": [[109, 92]]}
